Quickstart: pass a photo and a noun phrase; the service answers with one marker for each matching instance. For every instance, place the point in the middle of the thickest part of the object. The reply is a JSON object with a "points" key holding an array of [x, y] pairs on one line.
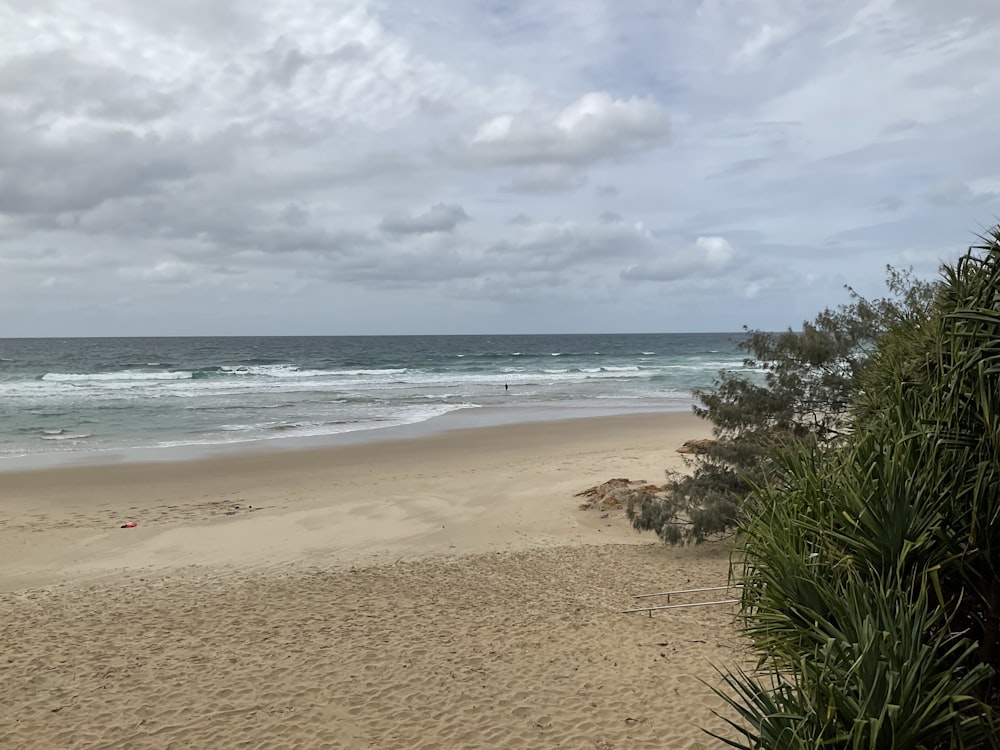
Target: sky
{"points": [[218, 167]]}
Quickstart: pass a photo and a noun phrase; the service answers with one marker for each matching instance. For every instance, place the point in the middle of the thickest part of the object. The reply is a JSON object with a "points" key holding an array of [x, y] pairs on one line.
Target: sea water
{"points": [[69, 396]]}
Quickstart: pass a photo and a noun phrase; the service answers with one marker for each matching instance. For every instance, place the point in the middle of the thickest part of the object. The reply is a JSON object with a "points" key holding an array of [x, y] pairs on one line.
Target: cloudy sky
{"points": [[462, 166]]}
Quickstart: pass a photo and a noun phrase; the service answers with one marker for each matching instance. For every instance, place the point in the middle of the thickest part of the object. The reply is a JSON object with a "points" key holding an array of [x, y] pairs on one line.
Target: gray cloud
{"points": [[440, 217], [547, 178], [889, 203], [282, 63], [900, 127], [181, 154], [57, 83], [44, 175], [952, 193], [554, 246], [294, 215], [742, 167], [415, 266]]}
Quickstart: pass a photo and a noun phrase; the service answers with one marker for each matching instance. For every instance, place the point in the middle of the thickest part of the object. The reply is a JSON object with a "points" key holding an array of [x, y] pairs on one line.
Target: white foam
{"points": [[77, 377], [280, 371], [267, 432]]}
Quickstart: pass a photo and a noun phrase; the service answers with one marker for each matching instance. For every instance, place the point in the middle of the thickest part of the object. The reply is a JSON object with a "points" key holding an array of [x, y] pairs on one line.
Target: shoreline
{"points": [[436, 591], [472, 417], [450, 492]]}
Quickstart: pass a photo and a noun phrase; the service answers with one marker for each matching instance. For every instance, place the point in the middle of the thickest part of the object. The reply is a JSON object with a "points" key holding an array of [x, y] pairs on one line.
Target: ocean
{"points": [[81, 396]]}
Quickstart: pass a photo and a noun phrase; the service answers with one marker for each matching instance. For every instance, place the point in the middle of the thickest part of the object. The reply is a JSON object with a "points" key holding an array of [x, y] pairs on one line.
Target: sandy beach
{"points": [[440, 591]]}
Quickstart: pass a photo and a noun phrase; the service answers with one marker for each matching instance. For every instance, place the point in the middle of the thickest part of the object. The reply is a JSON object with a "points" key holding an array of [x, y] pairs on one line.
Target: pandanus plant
{"points": [[872, 570]]}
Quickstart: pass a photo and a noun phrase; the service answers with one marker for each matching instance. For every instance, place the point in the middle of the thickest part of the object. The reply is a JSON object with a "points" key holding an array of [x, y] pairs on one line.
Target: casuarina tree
{"points": [[795, 389]]}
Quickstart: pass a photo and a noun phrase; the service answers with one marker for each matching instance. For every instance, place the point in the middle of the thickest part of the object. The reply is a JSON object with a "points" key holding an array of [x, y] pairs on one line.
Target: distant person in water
{"points": [[505, 386]]}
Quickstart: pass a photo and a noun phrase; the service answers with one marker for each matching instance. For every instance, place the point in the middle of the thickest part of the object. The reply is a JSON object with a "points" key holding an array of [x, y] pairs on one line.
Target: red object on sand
{"points": [[130, 525]]}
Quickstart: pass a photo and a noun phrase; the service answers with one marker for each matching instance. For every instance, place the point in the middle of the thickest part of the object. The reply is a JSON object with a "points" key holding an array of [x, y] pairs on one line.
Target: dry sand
{"points": [[439, 592]]}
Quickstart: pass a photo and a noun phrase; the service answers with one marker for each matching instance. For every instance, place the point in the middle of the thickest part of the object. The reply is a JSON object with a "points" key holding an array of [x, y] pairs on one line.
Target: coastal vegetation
{"points": [[796, 391], [870, 543]]}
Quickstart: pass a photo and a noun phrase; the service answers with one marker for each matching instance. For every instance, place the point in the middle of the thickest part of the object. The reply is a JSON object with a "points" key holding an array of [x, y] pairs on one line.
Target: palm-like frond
{"points": [[872, 571]]}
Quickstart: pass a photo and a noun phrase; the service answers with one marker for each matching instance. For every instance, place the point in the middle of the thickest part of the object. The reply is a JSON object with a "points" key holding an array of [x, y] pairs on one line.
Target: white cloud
{"points": [[766, 37], [706, 257], [871, 14], [594, 128], [718, 251], [164, 272]]}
